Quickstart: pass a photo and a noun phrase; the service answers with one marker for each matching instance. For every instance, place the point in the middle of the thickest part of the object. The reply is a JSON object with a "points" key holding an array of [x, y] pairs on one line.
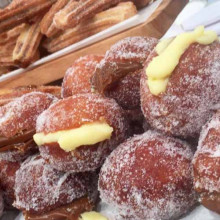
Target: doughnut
{"points": [[21, 114], [206, 165], [77, 113], [39, 188], [9, 94], [126, 56], [148, 177], [77, 77], [126, 91], [192, 90], [17, 126]]}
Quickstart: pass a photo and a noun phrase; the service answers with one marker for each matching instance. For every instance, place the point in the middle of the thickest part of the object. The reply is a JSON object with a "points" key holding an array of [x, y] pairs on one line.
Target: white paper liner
{"points": [[140, 18]]}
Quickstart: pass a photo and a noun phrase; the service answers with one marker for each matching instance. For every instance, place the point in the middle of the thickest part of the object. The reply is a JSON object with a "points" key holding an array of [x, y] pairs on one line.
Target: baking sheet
{"points": [[140, 18]]}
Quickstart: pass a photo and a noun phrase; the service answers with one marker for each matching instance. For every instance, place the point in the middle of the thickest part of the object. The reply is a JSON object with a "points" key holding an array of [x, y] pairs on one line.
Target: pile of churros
{"points": [[31, 29]]}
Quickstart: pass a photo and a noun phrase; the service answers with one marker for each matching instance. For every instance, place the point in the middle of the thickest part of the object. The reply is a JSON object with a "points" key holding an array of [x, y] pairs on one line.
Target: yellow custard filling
{"points": [[92, 216], [69, 140], [169, 53]]}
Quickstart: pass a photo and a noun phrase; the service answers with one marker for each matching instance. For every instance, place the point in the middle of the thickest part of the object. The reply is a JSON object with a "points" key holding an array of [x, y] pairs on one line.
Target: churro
{"points": [[47, 26], [11, 35], [27, 44], [77, 11], [99, 22]]}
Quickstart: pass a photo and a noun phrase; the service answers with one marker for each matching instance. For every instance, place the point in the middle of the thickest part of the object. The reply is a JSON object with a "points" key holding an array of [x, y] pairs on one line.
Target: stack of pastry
{"points": [[128, 116], [32, 29]]}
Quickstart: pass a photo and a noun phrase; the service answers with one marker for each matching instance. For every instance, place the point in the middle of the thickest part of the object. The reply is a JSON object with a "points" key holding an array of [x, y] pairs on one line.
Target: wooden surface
{"points": [[155, 26]]}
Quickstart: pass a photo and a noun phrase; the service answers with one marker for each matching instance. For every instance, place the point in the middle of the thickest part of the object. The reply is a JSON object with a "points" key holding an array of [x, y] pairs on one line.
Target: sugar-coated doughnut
{"points": [[21, 114], [148, 177], [206, 165], [40, 188], [77, 77], [125, 56], [192, 92], [73, 112], [126, 91]]}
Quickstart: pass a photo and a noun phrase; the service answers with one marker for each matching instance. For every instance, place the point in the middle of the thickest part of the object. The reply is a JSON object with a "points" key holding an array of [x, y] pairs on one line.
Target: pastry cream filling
{"points": [[69, 140], [92, 216], [169, 53]]}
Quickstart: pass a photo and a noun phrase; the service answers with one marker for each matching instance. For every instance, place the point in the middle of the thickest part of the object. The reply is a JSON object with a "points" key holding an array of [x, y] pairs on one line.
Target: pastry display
{"points": [[40, 189], [77, 133], [149, 176], [87, 28], [206, 165], [17, 126], [135, 129], [180, 84]]}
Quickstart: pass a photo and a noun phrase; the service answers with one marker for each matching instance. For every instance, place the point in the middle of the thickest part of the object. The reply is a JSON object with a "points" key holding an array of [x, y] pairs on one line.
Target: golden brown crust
{"points": [[99, 22]]}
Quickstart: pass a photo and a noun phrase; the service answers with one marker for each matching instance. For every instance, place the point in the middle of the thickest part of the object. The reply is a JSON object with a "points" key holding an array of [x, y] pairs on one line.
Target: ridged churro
{"points": [[99, 22], [77, 11], [47, 26], [27, 44]]}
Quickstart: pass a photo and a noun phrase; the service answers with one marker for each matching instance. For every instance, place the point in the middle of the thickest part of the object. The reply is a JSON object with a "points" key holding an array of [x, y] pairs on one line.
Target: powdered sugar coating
{"points": [[72, 113], [77, 77], [207, 162], [148, 177], [131, 48], [127, 91], [21, 114], [40, 188], [192, 92]]}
